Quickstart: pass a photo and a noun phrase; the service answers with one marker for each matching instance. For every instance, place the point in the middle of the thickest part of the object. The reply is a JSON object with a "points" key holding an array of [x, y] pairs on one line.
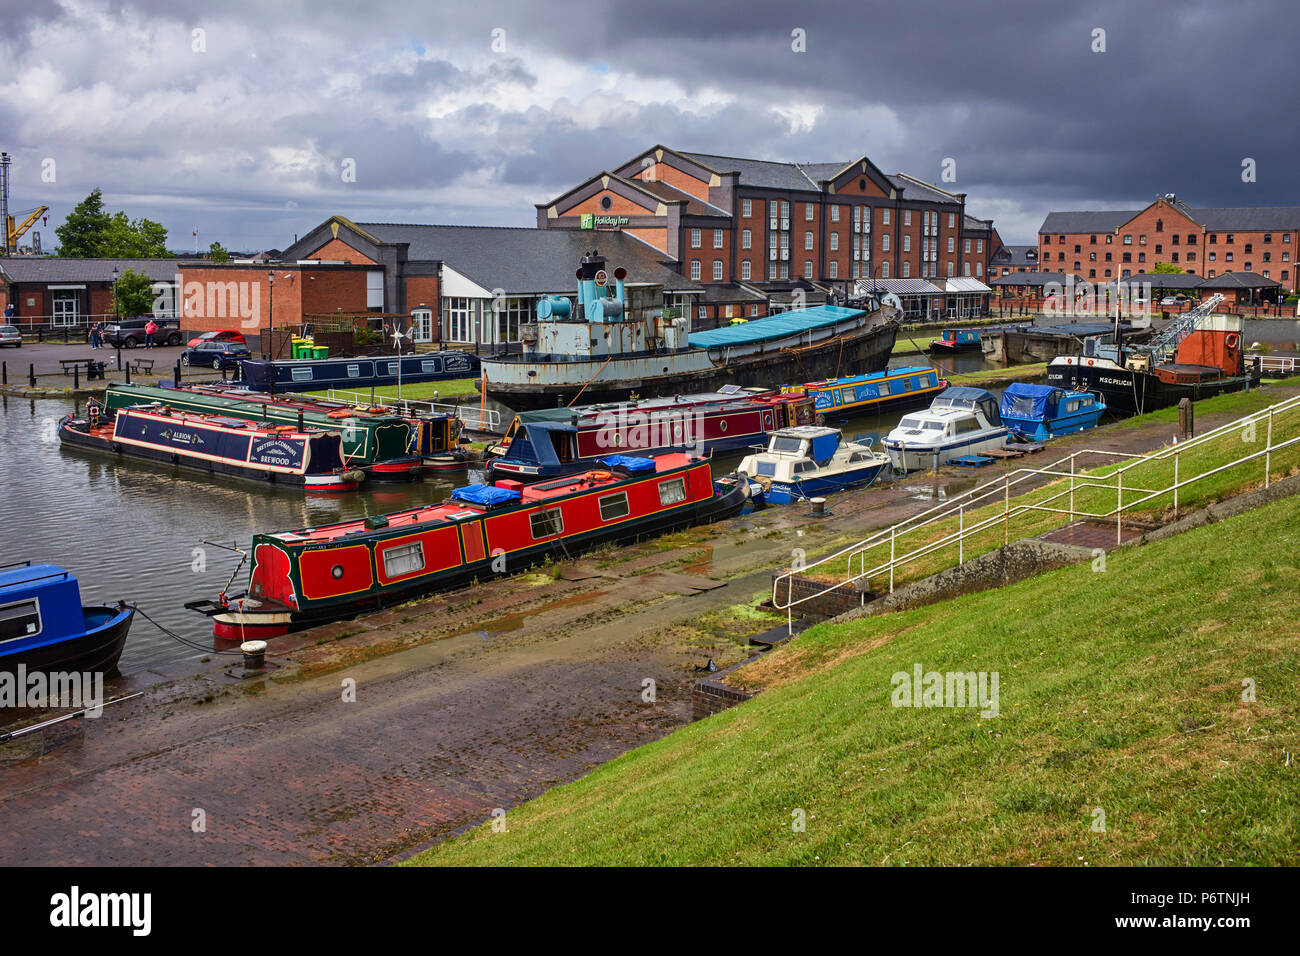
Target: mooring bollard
{"points": [[254, 655], [31, 375], [128, 373], [818, 505], [176, 376], [4, 373], [76, 377]]}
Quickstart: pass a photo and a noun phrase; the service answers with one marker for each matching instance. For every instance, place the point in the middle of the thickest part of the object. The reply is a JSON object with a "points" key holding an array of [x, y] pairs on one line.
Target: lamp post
{"points": [[117, 311], [270, 309]]}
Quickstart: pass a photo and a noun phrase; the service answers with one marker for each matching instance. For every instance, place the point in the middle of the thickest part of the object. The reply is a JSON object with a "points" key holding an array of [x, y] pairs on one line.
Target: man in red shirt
{"points": [[149, 329]]}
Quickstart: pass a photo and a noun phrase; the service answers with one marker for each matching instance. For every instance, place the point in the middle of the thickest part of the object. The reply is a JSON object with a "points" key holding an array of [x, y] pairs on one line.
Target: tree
{"points": [[218, 252], [134, 294], [1166, 268], [90, 231], [83, 230]]}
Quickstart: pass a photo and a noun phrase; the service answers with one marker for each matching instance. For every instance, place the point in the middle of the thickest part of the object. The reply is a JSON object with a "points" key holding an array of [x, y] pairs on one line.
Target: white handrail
{"points": [[471, 416], [1001, 487]]}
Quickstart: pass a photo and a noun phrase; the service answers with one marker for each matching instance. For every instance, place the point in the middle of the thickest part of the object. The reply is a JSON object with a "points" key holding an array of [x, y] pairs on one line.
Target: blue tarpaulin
{"points": [[1033, 402], [629, 462], [773, 326], [485, 495]]}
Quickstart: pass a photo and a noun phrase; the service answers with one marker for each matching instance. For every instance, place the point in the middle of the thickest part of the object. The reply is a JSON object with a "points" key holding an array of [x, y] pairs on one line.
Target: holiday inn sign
{"points": [[592, 221]]}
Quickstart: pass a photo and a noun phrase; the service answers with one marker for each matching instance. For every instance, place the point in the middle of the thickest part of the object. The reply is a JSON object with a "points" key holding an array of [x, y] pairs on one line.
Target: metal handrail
{"points": [[977, 496], [479, 419]]}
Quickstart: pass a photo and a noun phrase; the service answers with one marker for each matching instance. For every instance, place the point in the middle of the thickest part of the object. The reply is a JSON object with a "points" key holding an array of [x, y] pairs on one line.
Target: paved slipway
{"points": [[464, 703]]}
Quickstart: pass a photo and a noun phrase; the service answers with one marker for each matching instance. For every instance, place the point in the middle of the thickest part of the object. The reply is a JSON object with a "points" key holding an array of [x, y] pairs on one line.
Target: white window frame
{"points": [[404, 553], [549, 513]]}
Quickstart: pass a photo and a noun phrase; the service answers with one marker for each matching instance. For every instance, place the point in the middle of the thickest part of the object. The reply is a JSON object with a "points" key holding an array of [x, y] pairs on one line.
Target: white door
{"points": [[422, 324], [65, 308]]}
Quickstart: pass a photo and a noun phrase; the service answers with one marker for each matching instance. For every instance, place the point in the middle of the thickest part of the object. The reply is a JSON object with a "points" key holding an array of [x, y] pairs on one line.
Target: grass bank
{"points": [[1122, 736], [999, 376], [455, 388]]}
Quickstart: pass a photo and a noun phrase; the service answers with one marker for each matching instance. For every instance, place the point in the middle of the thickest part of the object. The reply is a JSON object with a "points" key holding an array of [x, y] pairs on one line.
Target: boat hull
{"points": [[865, 349], [1134, 392], [907, 457], [97, 650], [783, 493]]}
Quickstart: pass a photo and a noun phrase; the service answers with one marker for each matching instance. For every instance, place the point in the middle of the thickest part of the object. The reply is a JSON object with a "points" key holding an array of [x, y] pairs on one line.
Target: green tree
{"points": [[218, 252], [1166, 268], [90, 231], [134, 294], [83, 231]]}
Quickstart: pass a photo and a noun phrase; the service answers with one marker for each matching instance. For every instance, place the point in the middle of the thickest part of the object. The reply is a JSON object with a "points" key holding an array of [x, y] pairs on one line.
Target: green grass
{"points": [[1119, 690], [1012, 373], [451, 388]]}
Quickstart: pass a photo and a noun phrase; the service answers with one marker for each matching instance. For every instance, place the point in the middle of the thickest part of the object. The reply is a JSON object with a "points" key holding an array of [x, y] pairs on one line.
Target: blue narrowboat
{"points": [[894, 388], [356, 374], [956, 340], [44, 626], [1040, 412]]}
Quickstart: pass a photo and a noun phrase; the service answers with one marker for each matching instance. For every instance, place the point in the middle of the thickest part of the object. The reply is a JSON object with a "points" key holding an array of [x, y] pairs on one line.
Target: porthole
{"points": [[605, 202], [336, 572], [722, 425]]}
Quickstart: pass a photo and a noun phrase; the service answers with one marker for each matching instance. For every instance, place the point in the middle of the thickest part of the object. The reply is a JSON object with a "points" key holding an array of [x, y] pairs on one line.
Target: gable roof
{"points": [[1238, 280], [1016, 255], [528, 261], [920, 189], [1215, 218], [669, 193], [759, 172], [1094, 220]]}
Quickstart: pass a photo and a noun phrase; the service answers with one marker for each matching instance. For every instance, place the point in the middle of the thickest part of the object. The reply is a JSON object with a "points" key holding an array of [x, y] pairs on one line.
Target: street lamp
{"points": [[270, 309], [117, 311]]}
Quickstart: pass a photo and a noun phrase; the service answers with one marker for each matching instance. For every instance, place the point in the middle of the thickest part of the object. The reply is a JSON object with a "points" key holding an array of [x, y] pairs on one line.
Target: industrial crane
{"points": [[29, 219]]}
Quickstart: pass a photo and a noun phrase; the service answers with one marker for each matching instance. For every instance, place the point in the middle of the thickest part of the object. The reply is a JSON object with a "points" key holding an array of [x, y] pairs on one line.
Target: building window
{"points": [[1213, 256], [884, 217], [1077, 248], [979, 246], [746, 238], [966, 247], [717, 270], [703, 312], [835, 213], [1142, 257], [1191, 238], [1173, 257], [1191, 257], [695, 269], [907, 268], [884, 242], [458, 319], [907, 217], [907, 243], [717, 238], [1214, 239], [1128, 239], [807, 240], [375, 291], [1248, 248], [952, 222], [746, 270], [1092, 257], [951, 267], [510, 314], [1092, 240], [834, 269], [1142, 239], [1229, 239], [753, 310], [952, 244], [747, 208], [1227, 257], [807, 269], [695, 238], [835, 241], [807, 212], [1107, 273], [1160, 225], [965, 268], [884, 270]]}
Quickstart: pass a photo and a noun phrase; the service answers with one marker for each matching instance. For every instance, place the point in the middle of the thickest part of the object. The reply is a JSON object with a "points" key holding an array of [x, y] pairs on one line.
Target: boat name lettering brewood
{"points": [[41, 690], [76, 909]]}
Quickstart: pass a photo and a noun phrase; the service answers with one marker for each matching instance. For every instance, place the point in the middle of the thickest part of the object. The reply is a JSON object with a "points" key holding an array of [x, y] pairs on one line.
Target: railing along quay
{"points": [[472, 417], [1128, 497]]}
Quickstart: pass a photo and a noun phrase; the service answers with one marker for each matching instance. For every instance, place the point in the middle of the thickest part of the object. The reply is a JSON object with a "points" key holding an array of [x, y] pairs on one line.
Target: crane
{"points": [[15, 232]]}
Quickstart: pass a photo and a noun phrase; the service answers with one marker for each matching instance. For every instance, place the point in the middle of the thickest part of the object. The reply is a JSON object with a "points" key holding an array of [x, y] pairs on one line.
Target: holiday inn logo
{"points": [[588, 221]]}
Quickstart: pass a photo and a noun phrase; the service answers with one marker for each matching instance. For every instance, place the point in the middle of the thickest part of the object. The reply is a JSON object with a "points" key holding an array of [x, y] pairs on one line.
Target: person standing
{"points": [[149, 329], [95, 335]]}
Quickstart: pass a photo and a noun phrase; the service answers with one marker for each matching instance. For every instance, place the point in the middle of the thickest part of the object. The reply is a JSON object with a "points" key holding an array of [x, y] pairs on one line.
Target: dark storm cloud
{"points": [[445, 127]]}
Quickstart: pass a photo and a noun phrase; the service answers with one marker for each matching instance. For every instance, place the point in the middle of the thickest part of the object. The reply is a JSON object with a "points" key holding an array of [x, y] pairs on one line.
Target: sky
{"points": [[254, 122]]}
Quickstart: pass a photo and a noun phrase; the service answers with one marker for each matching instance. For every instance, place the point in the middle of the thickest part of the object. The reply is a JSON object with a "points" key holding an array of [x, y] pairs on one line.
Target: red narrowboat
{"points": [[314, 575]]}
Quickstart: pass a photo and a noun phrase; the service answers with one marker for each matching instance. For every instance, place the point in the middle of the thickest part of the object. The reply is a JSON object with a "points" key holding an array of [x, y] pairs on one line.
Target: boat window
{"points": [[671, 492], [547, 523], [301, 374], [1072, 406], [910, 423], [614, 506], [783, 443], [20, 620], [884, 389], [354, 371], [392, 368], [767, 469], [429, 365], [403, 559]]}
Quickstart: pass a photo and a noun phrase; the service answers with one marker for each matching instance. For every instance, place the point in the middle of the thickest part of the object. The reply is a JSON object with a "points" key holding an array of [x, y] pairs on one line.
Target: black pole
{"points": [[76, 377], [31, 375], [4, 373], [128, 373], [176, 376], [301, 423], [118, 348]]}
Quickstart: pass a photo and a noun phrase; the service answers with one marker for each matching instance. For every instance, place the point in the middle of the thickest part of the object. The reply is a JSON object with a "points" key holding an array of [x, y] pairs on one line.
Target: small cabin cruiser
{"points": [[44, 626], [1040, 412], [960, 421], [809, 460]]}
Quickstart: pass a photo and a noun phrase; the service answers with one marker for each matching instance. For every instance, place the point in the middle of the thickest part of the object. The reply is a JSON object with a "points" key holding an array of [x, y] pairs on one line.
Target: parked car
{"points": [[9, 335], [1173, 300], [219, 355], [129, 333], [221, 335]]}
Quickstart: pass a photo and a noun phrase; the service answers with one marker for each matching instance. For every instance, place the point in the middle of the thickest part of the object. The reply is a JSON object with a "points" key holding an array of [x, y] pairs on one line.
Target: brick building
{"points": [[1209, 242], [1009, 259], [754, 231]]}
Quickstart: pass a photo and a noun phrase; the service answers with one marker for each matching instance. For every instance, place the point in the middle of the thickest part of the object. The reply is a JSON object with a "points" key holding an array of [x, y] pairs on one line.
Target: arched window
{"points": [[1160, 225]]}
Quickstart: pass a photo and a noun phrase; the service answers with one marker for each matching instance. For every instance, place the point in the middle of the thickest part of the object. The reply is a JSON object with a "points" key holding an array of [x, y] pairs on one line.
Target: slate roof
{"points": [[1032, 278], [55, 269], [694, 205], [1164, 280], [729, 292], [1017, 255], [898, 287], [529, 261], [1214, 218], [769, 174], [1238, 280], [918, 189]]}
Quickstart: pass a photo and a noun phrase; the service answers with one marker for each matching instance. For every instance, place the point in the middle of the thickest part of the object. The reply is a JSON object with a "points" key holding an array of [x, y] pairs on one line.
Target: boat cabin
{"points": [[39, 604]]}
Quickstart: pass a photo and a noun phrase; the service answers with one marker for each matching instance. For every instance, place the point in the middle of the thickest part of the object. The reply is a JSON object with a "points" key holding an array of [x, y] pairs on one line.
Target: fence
{"points": [[1063, 502], [472, 417]]}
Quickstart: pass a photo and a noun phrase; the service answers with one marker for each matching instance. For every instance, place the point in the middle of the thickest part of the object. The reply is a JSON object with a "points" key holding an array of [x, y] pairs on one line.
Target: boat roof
{"points": [[964, 393], [17, 574], [806, 431], [726, 396], [230, 398], [942, 412], [461, 505], [774, 326], [871, 376]]}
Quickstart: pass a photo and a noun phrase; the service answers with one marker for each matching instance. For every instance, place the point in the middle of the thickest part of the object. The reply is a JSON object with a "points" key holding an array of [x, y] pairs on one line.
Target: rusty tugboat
{"points": [[602, 349]]}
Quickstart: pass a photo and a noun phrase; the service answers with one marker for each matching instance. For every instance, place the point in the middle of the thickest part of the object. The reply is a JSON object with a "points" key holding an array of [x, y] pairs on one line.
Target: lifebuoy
{"points": [[1089, 361], [339, 413], [1230, 340]]}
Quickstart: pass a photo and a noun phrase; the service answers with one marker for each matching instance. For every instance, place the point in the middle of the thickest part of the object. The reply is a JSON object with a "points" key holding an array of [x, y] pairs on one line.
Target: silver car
{"points": [[9, 335]]}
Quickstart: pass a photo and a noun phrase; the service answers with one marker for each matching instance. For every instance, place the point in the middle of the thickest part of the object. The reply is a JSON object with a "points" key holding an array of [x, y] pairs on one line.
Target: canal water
{"points": [[136, 531]]}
